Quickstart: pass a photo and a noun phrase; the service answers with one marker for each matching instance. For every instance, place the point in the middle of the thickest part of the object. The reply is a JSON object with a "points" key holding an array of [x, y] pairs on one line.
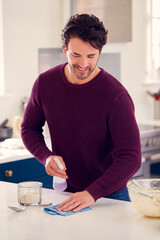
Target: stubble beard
{"points": [[79, 75]]}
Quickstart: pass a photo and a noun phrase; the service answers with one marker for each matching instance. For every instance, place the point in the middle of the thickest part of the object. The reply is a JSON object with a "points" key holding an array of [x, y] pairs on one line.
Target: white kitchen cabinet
{"points": [[116, 15]]}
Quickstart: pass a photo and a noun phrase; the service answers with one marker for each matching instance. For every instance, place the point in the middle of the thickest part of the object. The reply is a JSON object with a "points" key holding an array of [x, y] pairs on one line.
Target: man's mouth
{"points": [[82, 69]]}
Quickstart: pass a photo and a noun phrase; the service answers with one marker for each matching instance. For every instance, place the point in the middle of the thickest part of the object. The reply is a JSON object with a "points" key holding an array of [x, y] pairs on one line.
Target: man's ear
{"points": [[64, 48]]}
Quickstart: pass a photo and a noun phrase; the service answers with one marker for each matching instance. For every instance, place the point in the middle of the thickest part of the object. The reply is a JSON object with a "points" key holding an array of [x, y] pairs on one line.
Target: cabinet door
{"points": [[115, 14], [25, 170]]}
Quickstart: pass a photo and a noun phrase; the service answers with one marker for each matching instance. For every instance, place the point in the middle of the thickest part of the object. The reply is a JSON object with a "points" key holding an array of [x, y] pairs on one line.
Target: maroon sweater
{"points": [[92, 126]]}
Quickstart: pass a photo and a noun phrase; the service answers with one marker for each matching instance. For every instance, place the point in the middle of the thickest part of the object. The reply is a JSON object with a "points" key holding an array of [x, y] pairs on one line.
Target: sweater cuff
{"points": [[43, 155], [93, 192]]}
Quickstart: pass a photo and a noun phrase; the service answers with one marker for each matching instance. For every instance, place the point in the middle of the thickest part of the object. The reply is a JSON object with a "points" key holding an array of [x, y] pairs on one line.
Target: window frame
{"points": [[152, 74]]}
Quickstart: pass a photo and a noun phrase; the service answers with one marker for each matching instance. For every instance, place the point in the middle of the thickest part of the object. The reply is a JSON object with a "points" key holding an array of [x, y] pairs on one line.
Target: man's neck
{"points": [[72, 78]]}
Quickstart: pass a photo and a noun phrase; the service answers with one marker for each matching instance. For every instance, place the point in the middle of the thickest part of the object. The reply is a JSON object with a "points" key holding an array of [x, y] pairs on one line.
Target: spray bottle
{"points": [[59, 184]]}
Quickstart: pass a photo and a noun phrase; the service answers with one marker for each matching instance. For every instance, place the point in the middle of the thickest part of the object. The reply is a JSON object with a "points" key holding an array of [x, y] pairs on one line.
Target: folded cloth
{"points": [[51, 210]]}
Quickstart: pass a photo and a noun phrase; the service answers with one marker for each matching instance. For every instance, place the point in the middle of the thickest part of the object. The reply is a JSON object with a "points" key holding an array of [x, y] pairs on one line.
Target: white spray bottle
{"points": [[59, 184]]}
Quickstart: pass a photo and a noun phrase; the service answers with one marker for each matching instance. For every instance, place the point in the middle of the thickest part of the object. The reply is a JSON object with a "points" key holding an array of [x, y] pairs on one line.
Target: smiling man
{"points": [[82, 61], [91, 120]]}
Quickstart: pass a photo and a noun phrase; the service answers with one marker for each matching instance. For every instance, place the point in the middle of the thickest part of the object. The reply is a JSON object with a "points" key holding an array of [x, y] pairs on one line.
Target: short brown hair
{"points": [[86, 27]]}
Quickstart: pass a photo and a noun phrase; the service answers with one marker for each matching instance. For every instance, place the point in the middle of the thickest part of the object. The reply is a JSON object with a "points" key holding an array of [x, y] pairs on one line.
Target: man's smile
{"points": [[81, 69]]}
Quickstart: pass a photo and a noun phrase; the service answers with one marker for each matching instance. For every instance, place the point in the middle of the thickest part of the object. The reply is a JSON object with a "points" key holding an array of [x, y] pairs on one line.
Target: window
{"points": [[1, 52], [153, 41]]}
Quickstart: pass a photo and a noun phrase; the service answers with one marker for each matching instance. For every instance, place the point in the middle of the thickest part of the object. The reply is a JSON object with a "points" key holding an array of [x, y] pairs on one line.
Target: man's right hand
{"points": [[52, 168]]}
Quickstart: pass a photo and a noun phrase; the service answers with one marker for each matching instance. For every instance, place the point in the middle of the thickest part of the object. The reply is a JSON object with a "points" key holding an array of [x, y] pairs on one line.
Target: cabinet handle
{"points": [[8, 173]]}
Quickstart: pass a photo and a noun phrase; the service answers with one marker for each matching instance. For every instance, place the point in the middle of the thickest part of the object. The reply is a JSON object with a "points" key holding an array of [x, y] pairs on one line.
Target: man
{"points": [[91, 120]]}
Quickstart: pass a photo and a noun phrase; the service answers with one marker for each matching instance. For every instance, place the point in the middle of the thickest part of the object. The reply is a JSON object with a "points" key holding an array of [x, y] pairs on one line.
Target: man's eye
{"points": [[75, 55], [91, 56]]}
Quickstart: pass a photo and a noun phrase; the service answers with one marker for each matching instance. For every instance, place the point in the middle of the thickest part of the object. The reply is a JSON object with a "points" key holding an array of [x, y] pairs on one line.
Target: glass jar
{"points": [[29, 193]]}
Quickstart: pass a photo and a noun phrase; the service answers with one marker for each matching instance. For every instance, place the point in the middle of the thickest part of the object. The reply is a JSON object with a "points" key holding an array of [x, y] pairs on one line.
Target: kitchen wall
{"points": [[29, 25], [133, 70], [50, 57]]}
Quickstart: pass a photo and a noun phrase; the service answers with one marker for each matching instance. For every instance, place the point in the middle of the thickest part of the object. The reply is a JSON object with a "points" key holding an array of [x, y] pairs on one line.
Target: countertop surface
{"points": [[108, 219], [14, 155], [13, 150]]}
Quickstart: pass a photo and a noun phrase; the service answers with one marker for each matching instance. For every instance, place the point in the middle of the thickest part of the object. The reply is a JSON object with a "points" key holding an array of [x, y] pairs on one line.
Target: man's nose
{"points": [[83, 62]]}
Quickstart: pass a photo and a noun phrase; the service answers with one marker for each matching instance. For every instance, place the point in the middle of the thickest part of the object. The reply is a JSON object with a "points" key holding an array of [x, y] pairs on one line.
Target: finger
{"points": [[59, 174], [80, 207], [50, 162], [65, 204], [49, 172], [66, 201], [55, 170], [52, 172], [68, 207], [60, 159], [71, 207]]}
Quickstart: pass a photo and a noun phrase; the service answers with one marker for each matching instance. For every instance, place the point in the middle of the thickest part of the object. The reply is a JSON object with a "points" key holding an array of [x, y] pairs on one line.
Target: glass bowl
{"points": [[29, 193], [148, 206]]}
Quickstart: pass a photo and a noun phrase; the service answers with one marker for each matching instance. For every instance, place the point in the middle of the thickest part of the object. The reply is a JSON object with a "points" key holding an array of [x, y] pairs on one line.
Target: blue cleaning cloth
{"points": [[51, 210]]}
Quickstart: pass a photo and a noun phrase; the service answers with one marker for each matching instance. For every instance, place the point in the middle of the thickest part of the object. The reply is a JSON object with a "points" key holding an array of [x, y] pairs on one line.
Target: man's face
{"points": [[82, 58]]}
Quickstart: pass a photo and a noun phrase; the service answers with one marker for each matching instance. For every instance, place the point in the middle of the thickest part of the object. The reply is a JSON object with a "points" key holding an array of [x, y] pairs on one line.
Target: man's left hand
{"points": [[76, 202]]}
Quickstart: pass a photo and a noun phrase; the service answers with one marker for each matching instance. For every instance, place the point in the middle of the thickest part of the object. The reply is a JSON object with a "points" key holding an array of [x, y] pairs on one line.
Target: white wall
{"points": [[133, 62], [1, 51], [28, 25], [33, 24]]}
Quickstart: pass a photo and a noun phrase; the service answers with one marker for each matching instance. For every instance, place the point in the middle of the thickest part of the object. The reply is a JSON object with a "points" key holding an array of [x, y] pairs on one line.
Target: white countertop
{"points": [[108, 219], [13, 149], [14, 155], [10, 153]]}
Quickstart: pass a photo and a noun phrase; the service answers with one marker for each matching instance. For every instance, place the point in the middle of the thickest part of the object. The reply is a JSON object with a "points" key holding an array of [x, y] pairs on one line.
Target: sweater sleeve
{"points": [[126, 140], [32, 126]]}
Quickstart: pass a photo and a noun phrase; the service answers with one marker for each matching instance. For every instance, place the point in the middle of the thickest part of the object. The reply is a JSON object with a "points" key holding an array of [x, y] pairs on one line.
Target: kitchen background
{"points": [[28, 26], [30, 43]]}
